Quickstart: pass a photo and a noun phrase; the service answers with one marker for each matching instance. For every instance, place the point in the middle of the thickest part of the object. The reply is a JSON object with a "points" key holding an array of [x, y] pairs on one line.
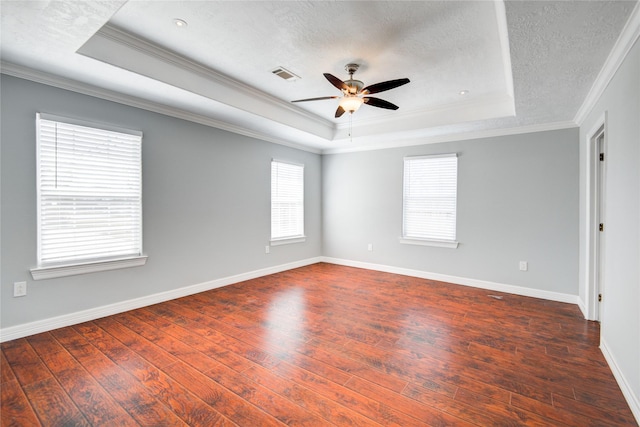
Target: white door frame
{"points": [[595, 207]]}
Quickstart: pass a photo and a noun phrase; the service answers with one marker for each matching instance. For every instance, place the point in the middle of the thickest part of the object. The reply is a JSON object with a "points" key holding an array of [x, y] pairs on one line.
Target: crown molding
{"points": [[119, 48], [488, 106], [487, 133], [108, 95], [503, 31], [482, 107], [122, 37], [411, 125], [131, 101], [621, 48]]}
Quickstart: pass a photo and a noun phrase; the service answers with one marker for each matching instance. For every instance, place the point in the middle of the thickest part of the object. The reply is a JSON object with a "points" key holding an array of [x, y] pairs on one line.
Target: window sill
{"points": [[288, 240], [452, 244], [52, 272]]}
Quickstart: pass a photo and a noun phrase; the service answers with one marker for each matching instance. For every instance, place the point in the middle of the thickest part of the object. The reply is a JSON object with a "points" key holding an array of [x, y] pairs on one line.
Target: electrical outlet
{"points": [[19, 289], [267, 249], [370, 247], [524, 265]]}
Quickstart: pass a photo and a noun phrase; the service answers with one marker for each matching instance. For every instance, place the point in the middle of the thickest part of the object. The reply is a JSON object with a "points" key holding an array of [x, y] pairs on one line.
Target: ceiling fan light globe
{"points": [[351, 103]]}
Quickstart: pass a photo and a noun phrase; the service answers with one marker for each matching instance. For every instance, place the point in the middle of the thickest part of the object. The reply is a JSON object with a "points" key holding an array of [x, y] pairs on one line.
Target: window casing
{"points": [[429, 200], [89, 189], [287, 203]]}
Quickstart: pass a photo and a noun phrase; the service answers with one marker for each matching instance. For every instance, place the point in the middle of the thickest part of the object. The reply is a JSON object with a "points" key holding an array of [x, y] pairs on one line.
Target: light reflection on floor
{"points": [[285, 320]]}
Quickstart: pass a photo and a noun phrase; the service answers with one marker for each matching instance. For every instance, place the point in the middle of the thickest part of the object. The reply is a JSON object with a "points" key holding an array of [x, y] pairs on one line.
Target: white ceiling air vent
{"points": [[285, 74]]}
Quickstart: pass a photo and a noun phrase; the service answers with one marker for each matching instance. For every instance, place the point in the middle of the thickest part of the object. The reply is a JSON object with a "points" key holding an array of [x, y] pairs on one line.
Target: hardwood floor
{"points": [[319, 345]]}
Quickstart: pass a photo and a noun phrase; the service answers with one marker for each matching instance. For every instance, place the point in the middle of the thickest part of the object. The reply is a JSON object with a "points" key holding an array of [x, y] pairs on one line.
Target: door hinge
{"points": [[599, 297], [601, 227], [602, 157]]}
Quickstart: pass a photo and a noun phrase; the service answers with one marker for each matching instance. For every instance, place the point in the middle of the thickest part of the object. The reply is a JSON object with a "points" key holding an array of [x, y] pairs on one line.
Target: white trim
{"points": [[431, 156], [132, 101], [52, 272], [287, 186], [124, 50], [630, 33], [85, 123], [583, 308], [429, 242], [143, 47], [287, 240], [288, 162], [503, 32], [393, 142], [475, 283], [85, 89], [39, 326], [44, 325], [627, 391], [58, 253], [590, 302], [490, 106], [418, 184]]}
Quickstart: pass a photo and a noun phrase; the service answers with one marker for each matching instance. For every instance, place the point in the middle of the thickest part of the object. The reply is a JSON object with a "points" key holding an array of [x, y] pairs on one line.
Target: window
{"points": [[429, 200], [287, 203], [89, 198]]}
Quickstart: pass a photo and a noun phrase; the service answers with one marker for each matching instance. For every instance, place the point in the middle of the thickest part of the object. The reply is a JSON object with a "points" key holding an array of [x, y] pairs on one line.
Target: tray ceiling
{"points": [[521, 63]]}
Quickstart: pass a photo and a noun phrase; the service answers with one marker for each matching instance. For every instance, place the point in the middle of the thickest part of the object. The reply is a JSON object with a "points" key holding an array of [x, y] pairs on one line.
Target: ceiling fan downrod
{"points": [[355, 86]]}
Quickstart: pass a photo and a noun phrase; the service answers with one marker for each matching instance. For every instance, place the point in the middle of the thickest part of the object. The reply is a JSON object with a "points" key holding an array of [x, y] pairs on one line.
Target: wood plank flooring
{"points": [[319, 345]]}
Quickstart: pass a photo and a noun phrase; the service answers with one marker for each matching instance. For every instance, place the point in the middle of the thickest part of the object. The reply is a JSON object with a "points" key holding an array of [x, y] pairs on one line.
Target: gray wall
{"points": [[620, 322], [206, 205], [517, 201]]}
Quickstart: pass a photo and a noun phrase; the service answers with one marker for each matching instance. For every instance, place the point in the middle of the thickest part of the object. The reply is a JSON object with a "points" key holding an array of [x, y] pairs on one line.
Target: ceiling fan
{"points": [[354, 94]]}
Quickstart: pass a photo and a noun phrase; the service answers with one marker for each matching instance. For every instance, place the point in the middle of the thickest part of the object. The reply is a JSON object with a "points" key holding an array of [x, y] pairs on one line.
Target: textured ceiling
{"points": [[557, 50], [456, 44], [524, 63]]}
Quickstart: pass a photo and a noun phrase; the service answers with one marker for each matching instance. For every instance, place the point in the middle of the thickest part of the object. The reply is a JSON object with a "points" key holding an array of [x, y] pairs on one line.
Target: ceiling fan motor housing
{"points": [[355, 86]]}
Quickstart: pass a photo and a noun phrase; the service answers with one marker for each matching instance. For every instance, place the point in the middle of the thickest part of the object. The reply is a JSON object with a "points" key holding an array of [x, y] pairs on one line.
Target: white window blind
{"points": [[89, 192], [430, 191], [287, 200]]}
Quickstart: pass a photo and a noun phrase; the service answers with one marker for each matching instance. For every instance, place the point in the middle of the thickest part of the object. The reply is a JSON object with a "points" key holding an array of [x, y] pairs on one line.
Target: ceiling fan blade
{"points": [[336, 81], [381, 103], [316, 99], [381, 87], [340, 111]]}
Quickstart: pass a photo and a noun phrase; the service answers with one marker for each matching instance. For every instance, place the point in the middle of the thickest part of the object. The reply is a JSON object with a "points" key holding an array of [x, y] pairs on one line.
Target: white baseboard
{"points": [[632, 399], [627, 391], [482, 284], [583, 308], [26, 329]]}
